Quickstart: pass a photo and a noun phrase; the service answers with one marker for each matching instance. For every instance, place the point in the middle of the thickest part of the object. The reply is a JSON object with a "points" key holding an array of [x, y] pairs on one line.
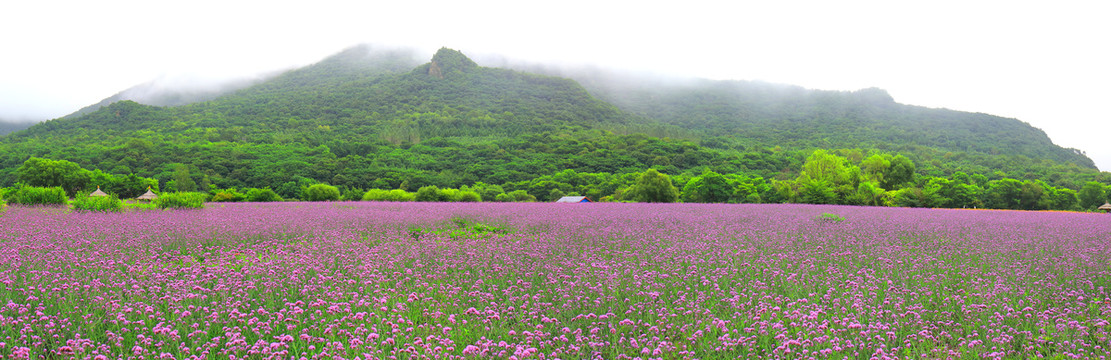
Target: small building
{"points": [[1106, 207], [573, 199], [98, 193], [147, 196]]}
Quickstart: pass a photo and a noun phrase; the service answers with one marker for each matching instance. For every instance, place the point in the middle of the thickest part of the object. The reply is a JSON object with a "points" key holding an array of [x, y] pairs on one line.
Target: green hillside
{"points": [[361, 119], [447, 122]]}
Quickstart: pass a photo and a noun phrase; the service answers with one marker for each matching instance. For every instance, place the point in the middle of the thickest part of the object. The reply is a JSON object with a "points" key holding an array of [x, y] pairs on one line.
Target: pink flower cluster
{"points": [[566, 281]]}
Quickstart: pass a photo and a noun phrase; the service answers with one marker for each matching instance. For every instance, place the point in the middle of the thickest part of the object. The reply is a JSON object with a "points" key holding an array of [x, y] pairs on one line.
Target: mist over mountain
{"points": [[8, 126], [381, 118], [172, 92], [183, 89], [793, 116]]}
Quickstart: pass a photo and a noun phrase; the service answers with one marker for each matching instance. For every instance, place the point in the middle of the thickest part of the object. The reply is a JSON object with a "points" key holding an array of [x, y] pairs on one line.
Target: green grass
{"points": [[109, 203], [833, 218], [34, 195], [459, 228], [144, 205], [180, 200]]}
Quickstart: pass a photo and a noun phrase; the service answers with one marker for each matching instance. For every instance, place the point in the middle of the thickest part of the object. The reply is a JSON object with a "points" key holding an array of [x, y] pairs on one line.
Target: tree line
{"points": [[826, 177]]}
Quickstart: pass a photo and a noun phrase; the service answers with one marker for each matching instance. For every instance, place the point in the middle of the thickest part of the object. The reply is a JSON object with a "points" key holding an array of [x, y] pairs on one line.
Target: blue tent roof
{"points": [[573, 199]]}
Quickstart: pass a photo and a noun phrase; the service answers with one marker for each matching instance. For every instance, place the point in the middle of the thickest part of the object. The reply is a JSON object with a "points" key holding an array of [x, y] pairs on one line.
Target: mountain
{"points": [[445, 122], [759, 114], [377, 118]]}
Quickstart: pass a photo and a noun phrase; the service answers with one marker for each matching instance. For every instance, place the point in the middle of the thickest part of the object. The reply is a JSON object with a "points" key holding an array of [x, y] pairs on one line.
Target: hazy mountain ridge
{"points": [[792, 116], [354, 61], [752, 111], [8, 127], [157, 93], [367, 117]]}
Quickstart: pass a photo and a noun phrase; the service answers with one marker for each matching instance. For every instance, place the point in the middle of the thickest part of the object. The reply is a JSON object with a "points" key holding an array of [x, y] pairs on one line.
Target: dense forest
{"points": [[374, 120]]}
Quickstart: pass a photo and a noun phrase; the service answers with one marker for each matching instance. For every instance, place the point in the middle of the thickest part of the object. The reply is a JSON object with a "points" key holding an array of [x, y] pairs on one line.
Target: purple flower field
{"points": [[545, 281]]}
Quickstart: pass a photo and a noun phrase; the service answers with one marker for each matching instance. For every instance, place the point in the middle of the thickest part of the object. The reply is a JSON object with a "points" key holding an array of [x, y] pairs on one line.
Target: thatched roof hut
{"points": [[98, 192], [1106, 207], [148, 196]]}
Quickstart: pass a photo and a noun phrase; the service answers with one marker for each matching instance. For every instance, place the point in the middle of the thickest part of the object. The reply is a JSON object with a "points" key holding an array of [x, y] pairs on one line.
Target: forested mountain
{"points": [[377, 119], [447, 122], [754, 114]]}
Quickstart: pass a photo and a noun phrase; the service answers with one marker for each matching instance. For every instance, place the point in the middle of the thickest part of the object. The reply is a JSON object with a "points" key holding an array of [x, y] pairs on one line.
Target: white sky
{"points": [[1045, 63]]}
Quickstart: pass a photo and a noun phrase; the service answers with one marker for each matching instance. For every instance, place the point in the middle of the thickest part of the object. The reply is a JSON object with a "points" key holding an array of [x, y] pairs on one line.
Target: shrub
{"points": [[401, 195], [491, 192], [468, 196], [263, 195], [34, 195], [376, 195], [229, 195], [521, 196], [515, 196], [180, 200], [388, 195], [429, 193], [555, 194], [322, 192], [447, 194], [98, 203]]}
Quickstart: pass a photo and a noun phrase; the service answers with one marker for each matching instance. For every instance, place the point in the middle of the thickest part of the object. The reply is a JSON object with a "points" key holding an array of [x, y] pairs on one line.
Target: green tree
{"points": [[1035, 195], [652, 186], [555, 194], [783, 191], [874, 167], [1091, 196], [490, 192], [899, 173], [869, 193], [824, 166], [710, 187], [815, 191], [183, 181], [827, 179], [913, 196], [50, 173], [352, 194], [1063, 199], [1004, 194], [960, 194], [516, 196], [750, 190]]}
